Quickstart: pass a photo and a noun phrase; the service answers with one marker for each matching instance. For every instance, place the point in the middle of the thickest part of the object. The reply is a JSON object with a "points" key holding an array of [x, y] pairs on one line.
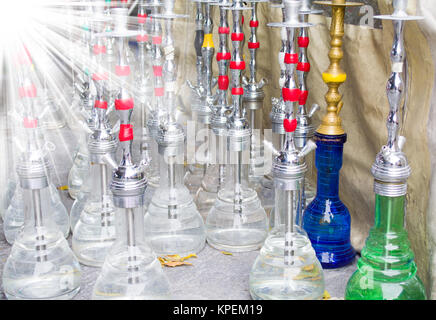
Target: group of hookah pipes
{"points": [[41, 265], [386, 269], [287, 266], [131, 270], [173, 224]]}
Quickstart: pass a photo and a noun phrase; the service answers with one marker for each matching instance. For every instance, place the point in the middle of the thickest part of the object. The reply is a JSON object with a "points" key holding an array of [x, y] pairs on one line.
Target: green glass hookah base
{"points": [[386, 269]]}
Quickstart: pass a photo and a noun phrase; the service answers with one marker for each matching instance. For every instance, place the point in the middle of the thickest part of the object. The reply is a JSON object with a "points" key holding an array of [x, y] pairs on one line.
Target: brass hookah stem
{"points": [[334, 76]]}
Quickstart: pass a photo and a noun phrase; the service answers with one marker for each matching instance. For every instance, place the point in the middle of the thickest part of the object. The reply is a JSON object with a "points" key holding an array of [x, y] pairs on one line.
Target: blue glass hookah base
{"points": [[326, 219]]}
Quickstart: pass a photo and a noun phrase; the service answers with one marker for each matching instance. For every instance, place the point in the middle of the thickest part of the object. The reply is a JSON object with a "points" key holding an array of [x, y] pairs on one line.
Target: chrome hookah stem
{"points": [[223, 61], [141, 40], [198, 42], [237, 57], [395, 85], [208, 50], [290, 94], [253, 43], [237, 92], [170, 77], [289, 252], [303, 66], [395, 91], [40, 247], [223, 57], [131, 244], [103, 184], [157, 67], [172, 188]]}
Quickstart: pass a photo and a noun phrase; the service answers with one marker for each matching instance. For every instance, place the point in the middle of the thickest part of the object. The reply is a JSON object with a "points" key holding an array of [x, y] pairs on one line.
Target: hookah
{"points": [[253, 99], [203, 100], [305, 128], [131, 270], [214, 176], [144, 91], [287, 267], [326, 219], [386, 269], [237, 222], [40, 265], [155, 43], [277, 115], [15, 216], [173, 224], [85, 118], [92, 214]]}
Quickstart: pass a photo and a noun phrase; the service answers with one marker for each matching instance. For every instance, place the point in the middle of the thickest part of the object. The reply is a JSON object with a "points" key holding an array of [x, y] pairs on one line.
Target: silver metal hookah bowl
{"points": [[288, 169]]}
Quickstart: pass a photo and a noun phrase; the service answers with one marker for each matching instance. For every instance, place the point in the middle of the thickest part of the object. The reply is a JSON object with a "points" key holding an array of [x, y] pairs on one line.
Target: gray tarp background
{"points": [[367, 64]]}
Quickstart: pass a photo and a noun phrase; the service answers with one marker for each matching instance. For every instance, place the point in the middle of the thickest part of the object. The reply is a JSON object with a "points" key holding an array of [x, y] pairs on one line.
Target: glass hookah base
{"points": [[205, 201], [236, 240], [363, 286], [332, 256], [147, 282], [271, 279], [40, 290], [57, 276], [92, 253], [183, 245]]}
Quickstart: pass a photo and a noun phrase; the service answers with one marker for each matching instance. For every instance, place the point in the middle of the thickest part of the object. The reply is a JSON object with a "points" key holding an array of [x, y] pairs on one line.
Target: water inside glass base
{"points": [[55, 275], [270, 278], [146, 282]]}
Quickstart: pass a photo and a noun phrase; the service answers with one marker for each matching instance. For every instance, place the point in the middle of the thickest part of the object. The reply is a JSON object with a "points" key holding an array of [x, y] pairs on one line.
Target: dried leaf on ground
{"points": [[175, 260]]}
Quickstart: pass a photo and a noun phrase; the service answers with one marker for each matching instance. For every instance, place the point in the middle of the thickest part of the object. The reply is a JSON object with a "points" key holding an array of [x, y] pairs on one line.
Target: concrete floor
{"points": [[213, 275]]}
